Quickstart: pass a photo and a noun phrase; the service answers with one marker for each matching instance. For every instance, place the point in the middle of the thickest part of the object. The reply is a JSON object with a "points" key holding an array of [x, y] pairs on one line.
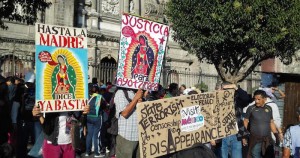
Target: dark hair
{"points": [[94, 80], [192, 92], [95, 89], [145, 39], [173, 86], [159, 89], [61, 56], [260, 92], [11, 79]]}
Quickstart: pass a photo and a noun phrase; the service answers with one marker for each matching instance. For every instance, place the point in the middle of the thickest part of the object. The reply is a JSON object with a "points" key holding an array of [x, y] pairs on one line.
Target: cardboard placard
{"points": [[174, 124], [142, 48], [61, 68]]}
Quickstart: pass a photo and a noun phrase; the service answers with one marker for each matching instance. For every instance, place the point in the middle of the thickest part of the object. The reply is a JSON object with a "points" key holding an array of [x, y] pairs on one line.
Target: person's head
{"points": [[60, 59], [94, 80], [18, 80], [102, 89], [260, 98], [182, 88], [173, 89], [272, 86], [101, 82], [143, 43], [159, 93], [95, 89], [143, 40], [10, 81]]}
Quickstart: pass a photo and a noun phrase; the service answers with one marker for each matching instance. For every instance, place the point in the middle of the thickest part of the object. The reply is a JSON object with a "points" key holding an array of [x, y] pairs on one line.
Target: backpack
{"points": [[29, 99], [28, 104], [113, 129], [95, 104]]}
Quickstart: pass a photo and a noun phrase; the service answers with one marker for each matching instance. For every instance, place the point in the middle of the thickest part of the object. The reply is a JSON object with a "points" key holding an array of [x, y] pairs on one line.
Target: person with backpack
{"points": [[94, 122], [112, 129], [28, 125], [232, 145], [127, 139]]}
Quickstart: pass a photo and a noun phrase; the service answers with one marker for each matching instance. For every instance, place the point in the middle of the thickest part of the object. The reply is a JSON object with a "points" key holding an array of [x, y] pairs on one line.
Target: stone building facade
{"points": [[102, 18]]}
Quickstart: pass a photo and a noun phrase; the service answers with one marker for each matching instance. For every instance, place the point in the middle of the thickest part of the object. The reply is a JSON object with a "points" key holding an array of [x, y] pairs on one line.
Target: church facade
{"points": [[102, 18]]}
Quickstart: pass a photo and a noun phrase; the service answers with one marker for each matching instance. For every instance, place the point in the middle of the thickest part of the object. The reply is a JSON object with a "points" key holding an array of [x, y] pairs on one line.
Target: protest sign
{"points": [[142, 48], [61, 68], [173, 124]]}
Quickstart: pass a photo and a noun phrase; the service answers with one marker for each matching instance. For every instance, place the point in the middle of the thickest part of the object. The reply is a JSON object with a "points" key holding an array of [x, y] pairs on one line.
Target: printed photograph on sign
{"points": [[142, 48], [191, 118], [61, 68], [169, 125]]}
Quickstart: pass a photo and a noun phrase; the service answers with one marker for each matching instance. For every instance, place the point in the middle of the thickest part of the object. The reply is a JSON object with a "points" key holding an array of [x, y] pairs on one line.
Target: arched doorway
{"points": [[108, 67], [12, 65], [173, 77]]}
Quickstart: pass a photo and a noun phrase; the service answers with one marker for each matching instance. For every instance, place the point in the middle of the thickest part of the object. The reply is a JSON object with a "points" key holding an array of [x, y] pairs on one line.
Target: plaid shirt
{"points": [[127, 128]]}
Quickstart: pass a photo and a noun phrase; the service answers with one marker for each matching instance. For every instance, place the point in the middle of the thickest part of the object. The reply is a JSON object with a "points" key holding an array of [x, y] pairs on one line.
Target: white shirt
{"points": [[63, 137]]}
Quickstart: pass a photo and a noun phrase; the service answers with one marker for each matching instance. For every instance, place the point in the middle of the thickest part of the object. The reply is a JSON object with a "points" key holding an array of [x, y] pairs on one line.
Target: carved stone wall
{"points": [[110, 7], [102, 18]]}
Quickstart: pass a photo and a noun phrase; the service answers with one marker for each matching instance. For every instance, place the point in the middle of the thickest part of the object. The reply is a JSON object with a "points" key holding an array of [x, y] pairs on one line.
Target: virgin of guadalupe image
{"points": [[63, 78], [142, 59]]}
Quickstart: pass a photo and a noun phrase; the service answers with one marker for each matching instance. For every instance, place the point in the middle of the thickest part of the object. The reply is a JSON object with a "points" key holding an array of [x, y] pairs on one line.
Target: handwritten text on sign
{"points": [[174, 124]]}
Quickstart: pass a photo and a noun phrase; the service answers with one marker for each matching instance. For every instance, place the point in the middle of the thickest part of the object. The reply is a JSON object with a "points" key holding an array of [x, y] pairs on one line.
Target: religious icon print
{"points": [[141, 58]]}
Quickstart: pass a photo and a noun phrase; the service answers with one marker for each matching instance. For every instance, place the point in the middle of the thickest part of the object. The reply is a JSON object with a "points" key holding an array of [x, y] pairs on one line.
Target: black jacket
{"points": [[241, 100]]}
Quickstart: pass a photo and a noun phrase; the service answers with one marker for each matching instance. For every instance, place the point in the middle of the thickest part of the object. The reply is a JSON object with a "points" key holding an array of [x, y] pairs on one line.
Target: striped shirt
{"points": [[127, 128]]}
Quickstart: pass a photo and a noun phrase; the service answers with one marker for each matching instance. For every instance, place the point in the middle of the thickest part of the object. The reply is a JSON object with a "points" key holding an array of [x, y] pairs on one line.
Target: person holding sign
{"points": [[57, 132], [127, 139], [291, 141], [233, 143]]}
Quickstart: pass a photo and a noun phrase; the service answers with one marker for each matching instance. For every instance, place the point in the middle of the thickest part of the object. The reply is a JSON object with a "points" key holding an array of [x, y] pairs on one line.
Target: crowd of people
{"points": [[108, 126]]}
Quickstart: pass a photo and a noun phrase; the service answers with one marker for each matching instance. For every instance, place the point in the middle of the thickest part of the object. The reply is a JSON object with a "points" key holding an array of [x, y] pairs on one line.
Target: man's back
{"points": [[127, 126]]}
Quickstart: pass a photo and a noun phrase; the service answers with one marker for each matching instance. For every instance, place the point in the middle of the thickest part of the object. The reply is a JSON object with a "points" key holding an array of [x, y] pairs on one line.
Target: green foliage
{"points": [[202, 86], [236, 35], [21, 10]]}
